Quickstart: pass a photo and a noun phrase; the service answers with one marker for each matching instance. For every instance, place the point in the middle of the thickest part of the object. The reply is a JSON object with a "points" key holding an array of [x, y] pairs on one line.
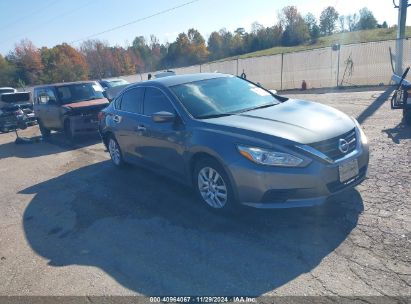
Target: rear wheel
{"points": [[213, 185], [43, 130], [115, 152], [407, 116]]}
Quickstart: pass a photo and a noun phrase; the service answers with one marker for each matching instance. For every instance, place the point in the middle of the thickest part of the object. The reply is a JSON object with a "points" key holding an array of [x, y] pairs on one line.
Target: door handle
{"points": [[141, 128], [116, 119]]}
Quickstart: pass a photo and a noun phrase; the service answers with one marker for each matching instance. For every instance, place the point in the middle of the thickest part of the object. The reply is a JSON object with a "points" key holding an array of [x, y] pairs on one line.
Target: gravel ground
{"points": [[72, 224]]}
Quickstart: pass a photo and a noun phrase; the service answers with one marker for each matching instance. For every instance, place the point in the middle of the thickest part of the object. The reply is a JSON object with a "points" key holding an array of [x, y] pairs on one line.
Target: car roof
{"points": [[7, 88], [63, 84], [173, 80], [112, 79]]}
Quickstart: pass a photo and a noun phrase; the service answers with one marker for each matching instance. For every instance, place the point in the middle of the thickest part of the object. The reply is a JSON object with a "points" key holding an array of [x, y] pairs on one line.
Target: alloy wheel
{"points": [[212, 187], [114, 151]]}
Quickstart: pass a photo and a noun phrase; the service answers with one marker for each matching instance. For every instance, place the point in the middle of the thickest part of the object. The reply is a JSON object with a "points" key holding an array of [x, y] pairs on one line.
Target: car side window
{"points": [[37, 94], [132, 100], [155, 101], [44, 96], [50, 93]]}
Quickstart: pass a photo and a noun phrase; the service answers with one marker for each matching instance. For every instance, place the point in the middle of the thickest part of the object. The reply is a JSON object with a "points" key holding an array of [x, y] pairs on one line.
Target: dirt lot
{"points": [[72, 224]]}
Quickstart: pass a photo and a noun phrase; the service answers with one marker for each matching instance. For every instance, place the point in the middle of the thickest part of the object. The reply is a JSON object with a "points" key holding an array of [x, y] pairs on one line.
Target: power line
{"points": [[135, 21], [48, 21], [31, 14]]}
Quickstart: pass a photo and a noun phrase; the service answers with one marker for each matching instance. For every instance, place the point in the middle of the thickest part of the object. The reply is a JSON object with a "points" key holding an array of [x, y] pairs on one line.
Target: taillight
{"points": [[19, 112], [101, 115]]}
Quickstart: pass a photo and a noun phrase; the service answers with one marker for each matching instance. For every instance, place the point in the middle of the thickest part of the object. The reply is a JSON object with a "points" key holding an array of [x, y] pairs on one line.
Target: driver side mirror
{"points": [[161, 117]]}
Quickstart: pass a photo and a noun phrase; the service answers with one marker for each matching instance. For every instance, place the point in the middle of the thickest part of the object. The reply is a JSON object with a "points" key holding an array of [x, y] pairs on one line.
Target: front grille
{"points": [[330, 148]]}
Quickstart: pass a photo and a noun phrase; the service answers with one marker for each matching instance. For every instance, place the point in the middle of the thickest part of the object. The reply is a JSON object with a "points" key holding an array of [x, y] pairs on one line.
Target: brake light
{"points": [[101, 115], [19, 112]]}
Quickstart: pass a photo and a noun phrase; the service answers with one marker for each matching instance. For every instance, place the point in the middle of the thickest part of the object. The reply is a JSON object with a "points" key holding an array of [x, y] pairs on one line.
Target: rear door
{"points": [[127, 119], [161, 144]]}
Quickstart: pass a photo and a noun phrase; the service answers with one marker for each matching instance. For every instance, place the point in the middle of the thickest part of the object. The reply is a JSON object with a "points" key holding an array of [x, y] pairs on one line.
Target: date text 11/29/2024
{"points": [[202, 299]]}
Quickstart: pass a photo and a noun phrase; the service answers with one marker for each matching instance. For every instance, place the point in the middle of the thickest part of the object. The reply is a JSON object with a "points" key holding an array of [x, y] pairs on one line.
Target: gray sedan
{"points": [[235, 142]]}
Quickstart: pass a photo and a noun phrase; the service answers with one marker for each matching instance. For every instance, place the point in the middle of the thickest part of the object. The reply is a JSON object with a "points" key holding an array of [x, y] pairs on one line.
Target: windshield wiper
{"points": [[214, 115], [259, 107]]}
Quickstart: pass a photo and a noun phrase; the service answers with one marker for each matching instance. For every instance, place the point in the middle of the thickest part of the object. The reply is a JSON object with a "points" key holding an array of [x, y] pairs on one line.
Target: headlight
{"points": [[269, 158], [363, 138]]}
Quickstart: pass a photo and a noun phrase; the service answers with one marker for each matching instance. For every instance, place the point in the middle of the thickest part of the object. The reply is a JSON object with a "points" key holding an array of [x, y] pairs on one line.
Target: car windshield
{"points": [[222, 96], [116, 83], [79, 92]]}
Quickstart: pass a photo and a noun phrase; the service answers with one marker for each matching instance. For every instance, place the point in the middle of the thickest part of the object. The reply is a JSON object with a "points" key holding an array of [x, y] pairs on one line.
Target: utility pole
{"points": [[402, 18]]}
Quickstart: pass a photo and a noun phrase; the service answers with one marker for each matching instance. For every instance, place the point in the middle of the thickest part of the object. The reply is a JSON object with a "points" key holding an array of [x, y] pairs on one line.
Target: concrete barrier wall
{"points": [[354, 64]]}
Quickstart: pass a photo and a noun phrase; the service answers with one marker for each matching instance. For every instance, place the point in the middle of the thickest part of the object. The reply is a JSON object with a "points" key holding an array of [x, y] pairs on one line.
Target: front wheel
{"points": [[213, 185], [43, 130], [115, 152]]}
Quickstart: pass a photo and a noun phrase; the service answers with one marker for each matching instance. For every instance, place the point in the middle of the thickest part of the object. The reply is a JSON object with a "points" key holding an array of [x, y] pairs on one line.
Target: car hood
{"points": [[297, 120], [87, 103]]}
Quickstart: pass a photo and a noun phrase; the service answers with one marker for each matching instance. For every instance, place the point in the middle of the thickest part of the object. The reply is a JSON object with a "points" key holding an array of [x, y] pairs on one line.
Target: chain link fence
{"points": [[349, 65]]}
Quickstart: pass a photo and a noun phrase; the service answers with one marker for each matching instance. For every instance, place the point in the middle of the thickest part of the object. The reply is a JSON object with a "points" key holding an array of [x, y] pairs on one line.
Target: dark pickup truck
{"points": [[71, 107]]}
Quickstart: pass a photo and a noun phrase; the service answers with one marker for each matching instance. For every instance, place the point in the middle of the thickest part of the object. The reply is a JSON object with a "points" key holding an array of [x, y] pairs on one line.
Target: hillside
{"points": [[341, 38]]}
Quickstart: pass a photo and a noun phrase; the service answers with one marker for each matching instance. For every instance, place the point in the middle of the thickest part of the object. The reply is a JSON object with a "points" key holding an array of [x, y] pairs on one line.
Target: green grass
{"points": [[341, 38]]}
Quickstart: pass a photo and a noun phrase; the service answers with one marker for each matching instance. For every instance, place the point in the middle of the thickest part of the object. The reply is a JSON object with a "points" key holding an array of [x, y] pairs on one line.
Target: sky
{"points": [[52, 22]]}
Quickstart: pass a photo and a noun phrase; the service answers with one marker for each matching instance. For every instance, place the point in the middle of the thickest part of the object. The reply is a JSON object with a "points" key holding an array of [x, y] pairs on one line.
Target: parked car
{"points": [[71, 107], [113, 82], [16, 110], [112, 87], [7, 90], [164, 74], [235, 142]]}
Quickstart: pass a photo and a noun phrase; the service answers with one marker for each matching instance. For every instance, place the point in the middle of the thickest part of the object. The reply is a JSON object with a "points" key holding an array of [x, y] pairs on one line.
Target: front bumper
{"points": [[274, 187], [84, 123]]}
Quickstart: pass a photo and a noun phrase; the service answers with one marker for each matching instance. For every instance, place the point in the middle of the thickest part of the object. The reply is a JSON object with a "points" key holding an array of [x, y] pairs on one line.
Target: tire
{"points": [[67, 130], [115, 152], [43, 130], [212, 186], [407, 116]]}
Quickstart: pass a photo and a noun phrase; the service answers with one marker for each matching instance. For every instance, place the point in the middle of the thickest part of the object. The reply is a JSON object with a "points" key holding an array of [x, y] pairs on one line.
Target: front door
{"points": [[161, 144]]}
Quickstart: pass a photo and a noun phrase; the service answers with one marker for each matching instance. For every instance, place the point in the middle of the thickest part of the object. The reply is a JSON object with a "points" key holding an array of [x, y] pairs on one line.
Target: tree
{"points": [[328, 19], [383, 25], [240, 31], [215, 45], [367, 20], [27, 60], [99, 59], [313, 27], [352, 21], [63, 63], [7, 73], [143, 51], [341, 23], [296, 30], [198, 52]]}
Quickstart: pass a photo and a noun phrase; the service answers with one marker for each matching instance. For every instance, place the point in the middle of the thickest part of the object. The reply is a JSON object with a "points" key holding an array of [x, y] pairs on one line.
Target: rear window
{"points": [[2, 91]]}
